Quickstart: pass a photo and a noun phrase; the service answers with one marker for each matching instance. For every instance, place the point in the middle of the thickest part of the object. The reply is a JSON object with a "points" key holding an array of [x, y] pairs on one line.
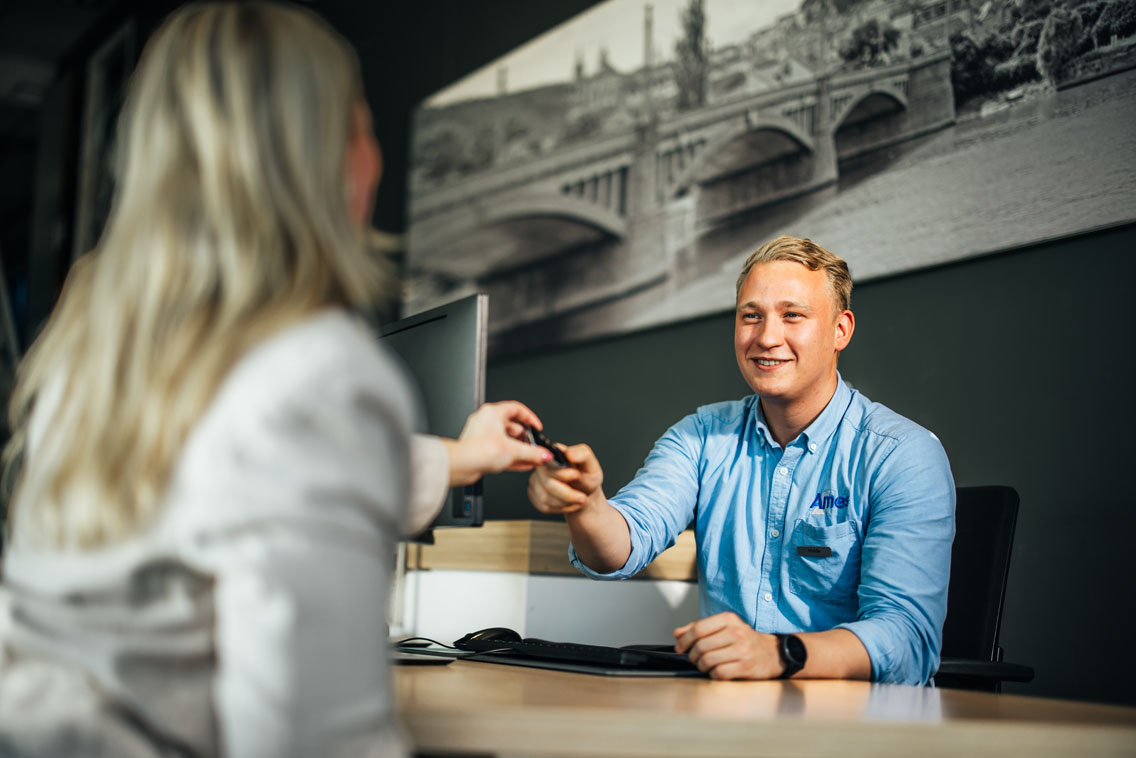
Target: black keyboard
{"points": [[642, 657]]}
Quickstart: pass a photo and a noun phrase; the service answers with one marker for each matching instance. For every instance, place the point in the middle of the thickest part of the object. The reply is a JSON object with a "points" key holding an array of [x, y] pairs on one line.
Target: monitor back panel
{"points": [[445, 350]]}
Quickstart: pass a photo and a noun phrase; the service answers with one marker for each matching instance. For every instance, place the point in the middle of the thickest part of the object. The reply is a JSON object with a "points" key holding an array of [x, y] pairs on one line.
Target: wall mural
{"points": [[614, 173]]}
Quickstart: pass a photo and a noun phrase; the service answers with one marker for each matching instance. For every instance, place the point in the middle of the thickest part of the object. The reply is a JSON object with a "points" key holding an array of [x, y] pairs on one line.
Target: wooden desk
{"points": [[469, 708]]}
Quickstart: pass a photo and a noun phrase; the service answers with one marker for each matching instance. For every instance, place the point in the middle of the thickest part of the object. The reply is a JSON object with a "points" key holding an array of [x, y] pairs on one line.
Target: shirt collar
{"points": [[764, 433], [822, 427]]}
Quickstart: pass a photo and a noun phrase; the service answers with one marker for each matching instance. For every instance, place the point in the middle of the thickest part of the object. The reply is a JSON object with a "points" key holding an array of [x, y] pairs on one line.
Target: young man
{"points": [[823, 520]]}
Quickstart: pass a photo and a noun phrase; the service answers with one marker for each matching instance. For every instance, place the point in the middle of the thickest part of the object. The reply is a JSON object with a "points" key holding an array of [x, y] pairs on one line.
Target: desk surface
{"points": [[479, 708]]}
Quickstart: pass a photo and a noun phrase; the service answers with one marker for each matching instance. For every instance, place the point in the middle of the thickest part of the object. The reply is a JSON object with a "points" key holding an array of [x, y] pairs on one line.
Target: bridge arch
{"points": [[512, 233], [564, 207], [869, 104], [870, 121], [742, 146]]}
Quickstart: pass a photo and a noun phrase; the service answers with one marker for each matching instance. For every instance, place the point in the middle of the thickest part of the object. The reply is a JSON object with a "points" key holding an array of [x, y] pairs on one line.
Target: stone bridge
{"points": [[594, 222]]}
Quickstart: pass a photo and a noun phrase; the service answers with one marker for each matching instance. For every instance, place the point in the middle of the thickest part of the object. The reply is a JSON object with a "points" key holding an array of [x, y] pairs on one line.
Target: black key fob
{"points": [[559, 460]]}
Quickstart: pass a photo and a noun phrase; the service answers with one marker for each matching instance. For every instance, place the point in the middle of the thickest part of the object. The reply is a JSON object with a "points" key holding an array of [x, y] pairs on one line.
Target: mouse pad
{"points": [[579, 668], [446, 656], [406, 658]]}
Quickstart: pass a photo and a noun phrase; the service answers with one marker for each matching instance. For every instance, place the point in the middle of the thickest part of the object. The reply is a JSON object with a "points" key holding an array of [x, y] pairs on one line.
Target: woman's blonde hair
{"points": [[229, 221]]}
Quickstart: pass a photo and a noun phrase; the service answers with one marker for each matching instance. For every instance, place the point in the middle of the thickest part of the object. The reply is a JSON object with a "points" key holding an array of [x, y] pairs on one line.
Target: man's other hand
{"points": [[568, 489], [726, 647]]}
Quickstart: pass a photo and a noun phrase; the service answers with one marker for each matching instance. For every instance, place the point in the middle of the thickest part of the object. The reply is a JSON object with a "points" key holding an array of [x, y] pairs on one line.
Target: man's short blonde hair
{"points": [[808, 254]]}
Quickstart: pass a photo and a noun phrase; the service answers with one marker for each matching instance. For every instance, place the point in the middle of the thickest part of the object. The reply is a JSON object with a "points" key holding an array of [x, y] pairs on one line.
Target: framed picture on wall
{"points": [[614, 173], [108, 72]]}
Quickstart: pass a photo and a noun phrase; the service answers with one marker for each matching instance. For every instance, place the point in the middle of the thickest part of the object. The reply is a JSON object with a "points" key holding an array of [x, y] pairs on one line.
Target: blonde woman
{"points": [[212, 453]]}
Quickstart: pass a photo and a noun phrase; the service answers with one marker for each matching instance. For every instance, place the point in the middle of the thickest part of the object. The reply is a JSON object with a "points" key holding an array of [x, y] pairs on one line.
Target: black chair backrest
{"points": [[980, 561]]}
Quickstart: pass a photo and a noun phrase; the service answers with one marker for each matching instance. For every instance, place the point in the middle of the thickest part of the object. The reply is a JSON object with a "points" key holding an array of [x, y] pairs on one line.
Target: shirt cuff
{"points": [[429, 481], [630, 568], [879, 645]]}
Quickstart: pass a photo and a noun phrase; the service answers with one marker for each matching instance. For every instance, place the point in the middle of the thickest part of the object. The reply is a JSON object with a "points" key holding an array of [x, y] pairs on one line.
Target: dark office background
{"points": [[1019, 361]]}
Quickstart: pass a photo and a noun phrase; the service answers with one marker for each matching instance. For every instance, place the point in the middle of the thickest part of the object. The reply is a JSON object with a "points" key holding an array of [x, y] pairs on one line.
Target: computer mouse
{"points": [[492, 634]]}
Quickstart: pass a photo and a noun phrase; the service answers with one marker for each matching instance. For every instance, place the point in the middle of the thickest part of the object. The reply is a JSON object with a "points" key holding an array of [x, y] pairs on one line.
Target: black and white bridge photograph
{"points": [[613, 174]]}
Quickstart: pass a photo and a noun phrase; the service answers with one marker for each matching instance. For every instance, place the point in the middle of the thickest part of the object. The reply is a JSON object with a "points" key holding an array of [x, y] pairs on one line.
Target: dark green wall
{"points": [[1021, 362]]}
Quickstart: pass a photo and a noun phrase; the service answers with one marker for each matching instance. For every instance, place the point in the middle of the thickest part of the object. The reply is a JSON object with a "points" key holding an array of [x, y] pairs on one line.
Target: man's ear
{"points": [[845, 325]]}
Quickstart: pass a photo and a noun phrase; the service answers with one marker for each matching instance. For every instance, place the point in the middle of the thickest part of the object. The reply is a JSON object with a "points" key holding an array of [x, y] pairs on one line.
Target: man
{"points": [[823, 520]]}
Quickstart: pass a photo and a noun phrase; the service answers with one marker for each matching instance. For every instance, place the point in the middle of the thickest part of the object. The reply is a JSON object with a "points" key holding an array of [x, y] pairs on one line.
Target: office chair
{"points": [[980, 562]]}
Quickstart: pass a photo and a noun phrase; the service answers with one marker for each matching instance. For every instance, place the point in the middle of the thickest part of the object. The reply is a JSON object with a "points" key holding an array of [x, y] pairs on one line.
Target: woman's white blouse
{"points": [[249, 618]]}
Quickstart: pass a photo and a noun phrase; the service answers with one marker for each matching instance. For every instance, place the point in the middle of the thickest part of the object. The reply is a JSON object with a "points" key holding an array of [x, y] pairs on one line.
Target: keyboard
{"points": [[640, 657]]}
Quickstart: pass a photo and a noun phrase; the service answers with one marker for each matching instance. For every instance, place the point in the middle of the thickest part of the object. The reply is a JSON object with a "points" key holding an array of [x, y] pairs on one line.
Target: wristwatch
{"points": [[793, 654]]}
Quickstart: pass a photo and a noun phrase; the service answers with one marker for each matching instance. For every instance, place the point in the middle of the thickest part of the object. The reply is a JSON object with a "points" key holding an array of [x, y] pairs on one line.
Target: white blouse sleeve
{"points": [[429, 481]]}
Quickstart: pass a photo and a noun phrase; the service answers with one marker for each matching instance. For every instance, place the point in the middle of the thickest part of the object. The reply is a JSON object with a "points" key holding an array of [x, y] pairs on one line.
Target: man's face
{"points": [[788, 332]]}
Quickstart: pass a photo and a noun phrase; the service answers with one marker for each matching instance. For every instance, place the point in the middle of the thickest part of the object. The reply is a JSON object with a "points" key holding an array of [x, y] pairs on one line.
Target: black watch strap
{"points": [[793, 654]]}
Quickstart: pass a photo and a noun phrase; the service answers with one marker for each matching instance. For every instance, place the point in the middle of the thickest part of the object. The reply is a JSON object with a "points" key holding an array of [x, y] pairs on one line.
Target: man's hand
{"points": [[569, 489], [491, 442], [728, 648], [599, 533]]}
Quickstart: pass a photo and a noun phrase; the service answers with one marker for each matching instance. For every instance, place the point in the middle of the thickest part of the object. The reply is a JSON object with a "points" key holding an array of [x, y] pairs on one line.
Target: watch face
{"points": [[796, 649]]}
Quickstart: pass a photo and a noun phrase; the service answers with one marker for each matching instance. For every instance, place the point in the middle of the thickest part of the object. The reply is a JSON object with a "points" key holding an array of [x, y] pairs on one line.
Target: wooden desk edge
{"points": [[551, 731], [532, 547], [506, 711]]}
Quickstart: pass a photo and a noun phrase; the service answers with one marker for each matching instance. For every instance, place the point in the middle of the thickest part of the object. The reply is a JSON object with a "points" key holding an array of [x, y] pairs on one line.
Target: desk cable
{"points": [[411, 649]]}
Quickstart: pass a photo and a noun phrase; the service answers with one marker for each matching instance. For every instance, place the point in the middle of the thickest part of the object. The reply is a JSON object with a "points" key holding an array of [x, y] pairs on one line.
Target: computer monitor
{"points": [[445, 349]]}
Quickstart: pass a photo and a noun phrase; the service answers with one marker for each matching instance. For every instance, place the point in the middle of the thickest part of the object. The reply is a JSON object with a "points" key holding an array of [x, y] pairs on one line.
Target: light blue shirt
{"points": [[850, 525]]}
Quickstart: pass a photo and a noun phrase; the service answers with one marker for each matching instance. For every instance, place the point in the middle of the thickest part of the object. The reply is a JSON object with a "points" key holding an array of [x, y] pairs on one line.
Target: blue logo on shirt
{"points": [[829, 499]]}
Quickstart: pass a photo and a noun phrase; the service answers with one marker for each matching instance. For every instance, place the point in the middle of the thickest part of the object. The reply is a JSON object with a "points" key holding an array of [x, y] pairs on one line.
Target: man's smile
{"points": [[769, 363]]}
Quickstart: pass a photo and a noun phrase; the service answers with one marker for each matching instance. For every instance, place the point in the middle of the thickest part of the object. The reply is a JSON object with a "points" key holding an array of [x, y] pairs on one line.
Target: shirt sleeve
{"points": [[906, 561], [660, 501], [429, 481], [321, 479]]}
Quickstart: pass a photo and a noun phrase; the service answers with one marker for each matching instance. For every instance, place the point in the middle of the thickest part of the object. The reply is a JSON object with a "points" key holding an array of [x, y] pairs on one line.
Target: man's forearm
{"points": [[835, 654], [600, 535]]}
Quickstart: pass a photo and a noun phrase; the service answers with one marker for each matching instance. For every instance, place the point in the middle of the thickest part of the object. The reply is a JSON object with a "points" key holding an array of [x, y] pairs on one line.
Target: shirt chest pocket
{"points": [[824, 562]]}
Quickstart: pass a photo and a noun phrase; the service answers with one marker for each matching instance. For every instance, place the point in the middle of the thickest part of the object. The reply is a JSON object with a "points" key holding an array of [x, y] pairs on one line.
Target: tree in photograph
{"points": [[971, 72], [1034, 10], [482, 152], [516, 129], [692, 52], [1014, 72], [1118, 19], [1058, 43], [871, 43], [1090, 12], [1025, 36], [587, 125], [988, 66], [815, 9], [440, 155]]}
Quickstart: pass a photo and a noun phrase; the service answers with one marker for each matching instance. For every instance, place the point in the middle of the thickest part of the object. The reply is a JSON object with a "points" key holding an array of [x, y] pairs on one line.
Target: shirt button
{"points": [[783, 471], [768, 597], [774, 533], [812, 446]]}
